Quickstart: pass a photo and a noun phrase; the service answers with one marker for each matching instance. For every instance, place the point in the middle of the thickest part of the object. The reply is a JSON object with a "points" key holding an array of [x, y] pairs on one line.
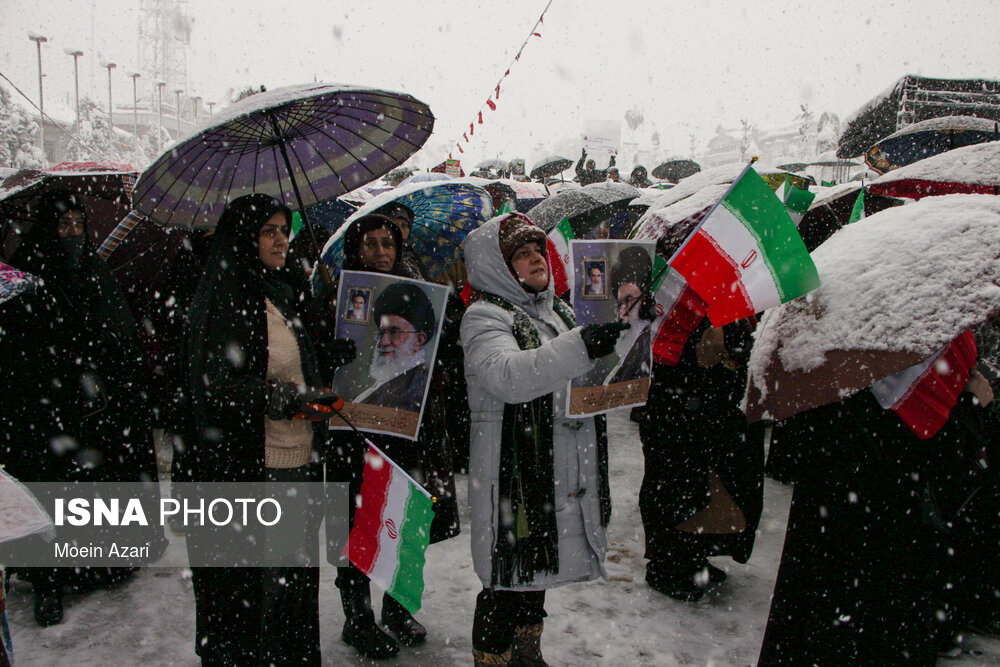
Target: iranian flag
{"points": [[796, 200], [679, 310], [923, 395], [746, 255], [392, 529], [560, 260]]}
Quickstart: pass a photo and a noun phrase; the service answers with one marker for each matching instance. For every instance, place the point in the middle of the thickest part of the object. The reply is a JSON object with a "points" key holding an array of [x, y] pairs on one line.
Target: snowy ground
{"points": [[150, 619]]}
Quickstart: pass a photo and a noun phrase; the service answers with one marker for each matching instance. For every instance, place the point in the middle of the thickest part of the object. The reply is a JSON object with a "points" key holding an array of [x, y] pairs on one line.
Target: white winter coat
{"points": [[499, 372]]}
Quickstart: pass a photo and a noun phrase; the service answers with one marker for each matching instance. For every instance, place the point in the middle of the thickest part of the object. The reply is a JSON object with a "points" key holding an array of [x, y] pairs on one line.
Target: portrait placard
{"points": [[396, 324], [611, 280]]}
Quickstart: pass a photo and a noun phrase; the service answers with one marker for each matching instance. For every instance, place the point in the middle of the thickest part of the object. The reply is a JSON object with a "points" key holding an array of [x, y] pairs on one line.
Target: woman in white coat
{"points": [[537, 480]]}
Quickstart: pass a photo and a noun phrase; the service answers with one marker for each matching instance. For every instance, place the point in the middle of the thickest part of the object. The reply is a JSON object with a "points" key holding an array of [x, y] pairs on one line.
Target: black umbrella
{"points": [[585, 207], [550, 166], [676, 169]]}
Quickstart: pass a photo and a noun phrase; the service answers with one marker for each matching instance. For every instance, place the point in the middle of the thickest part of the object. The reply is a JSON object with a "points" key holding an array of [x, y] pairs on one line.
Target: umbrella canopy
{"points": [[927, 138], [398, 175], [896, 288], [301, 145], [675, 169], [493, 163], [443, 215], [550, 166], [678, 219], [831, 210], [524, 195], [585, 207], [970, 169], [105, 196], [14, 282], [21, 515], [426, 177]]}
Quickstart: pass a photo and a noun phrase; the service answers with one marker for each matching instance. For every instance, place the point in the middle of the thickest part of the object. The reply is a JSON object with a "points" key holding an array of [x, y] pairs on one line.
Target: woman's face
{"points": [[378, 250], [528, 262], [272, 242], [70, 223]]}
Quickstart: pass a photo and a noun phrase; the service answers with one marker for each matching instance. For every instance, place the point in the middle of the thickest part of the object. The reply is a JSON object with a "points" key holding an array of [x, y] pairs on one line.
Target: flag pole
{"points": [[382, 454]]}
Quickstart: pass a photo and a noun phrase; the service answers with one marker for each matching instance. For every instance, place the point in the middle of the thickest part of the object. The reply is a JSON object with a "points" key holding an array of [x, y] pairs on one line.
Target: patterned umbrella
{"points": [[443, 215], [301, 144], [970, 170], [929, 137], [14, 282]]}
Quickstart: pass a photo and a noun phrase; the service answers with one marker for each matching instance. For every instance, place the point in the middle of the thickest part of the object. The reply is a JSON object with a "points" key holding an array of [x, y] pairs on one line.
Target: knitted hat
{"points": [[409, 302], [516, 230]]}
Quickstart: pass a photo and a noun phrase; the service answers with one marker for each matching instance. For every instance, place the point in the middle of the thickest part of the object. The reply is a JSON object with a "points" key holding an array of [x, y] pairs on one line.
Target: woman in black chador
{"points": [[75, 405], [252, 359]]}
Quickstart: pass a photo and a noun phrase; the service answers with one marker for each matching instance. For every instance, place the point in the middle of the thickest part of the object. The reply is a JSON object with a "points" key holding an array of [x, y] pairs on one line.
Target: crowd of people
{"points": [[888, 540]]}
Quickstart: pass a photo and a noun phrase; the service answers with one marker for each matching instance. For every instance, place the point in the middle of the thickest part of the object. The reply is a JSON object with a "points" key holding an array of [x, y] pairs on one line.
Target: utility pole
{"points": [[178, 93], [135, 103], [111, 124], [160, 85], [76, 53], [38, 39]]}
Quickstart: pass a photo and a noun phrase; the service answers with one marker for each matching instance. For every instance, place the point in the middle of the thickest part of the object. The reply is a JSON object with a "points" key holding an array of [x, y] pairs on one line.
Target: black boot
{"points": [[360, 630], [48, 607], [401, 623]]}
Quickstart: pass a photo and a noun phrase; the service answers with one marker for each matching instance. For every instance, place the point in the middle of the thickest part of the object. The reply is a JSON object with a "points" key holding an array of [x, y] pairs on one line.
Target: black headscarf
{"points": [[356, 233], [225, 360]]}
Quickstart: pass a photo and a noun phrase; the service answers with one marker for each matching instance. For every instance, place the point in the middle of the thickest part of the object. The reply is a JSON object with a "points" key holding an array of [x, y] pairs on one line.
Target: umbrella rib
{"points": [[357, 160], [177, 177]]}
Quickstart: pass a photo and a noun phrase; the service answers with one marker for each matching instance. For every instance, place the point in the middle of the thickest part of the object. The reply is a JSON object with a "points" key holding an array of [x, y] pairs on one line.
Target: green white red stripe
{"points": [[923, 395], [746, 255], [560, 260], [679, 312], [391, 529]]}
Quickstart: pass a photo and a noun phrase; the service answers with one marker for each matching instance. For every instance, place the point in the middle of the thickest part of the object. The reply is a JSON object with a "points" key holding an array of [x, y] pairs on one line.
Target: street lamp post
{"points": [[178, 93], [210, 105], [111, 124], [135, 103], [38, 39], [76, 53], [197, 103], [160, 85]]}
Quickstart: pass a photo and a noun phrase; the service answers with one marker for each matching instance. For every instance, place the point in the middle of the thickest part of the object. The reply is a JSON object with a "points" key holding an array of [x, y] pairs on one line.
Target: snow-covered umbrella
{"points": [[971, 169], [301, 144], [552, 165], [493, 163], [443, 215], [426, 177], [928, 138], [105, 195], [524, 195], [896, 288], [675, 169]]}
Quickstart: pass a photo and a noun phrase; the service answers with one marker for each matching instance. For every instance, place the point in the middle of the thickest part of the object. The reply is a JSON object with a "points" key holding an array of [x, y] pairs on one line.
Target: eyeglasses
{"points": [[271, 232], [395, 334]]}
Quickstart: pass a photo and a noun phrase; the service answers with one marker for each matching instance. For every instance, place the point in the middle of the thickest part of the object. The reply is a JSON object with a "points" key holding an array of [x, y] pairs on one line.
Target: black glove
{"points": [[600, 338], [288, 399], [584, 152], [342, 351], [647, 309]]}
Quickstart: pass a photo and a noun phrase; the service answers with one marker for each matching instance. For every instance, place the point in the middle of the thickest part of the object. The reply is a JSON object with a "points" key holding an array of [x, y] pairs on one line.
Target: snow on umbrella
{"points": [[927, 138], [426, 177], [896, 288], [301, 145], [21, 515], [831, 210], [524, 195], [550, 166], [585, 207], [105, 195], [443, 215], [971, 169], [493, 163], [676, 169], [398, 175], [674, 222]]}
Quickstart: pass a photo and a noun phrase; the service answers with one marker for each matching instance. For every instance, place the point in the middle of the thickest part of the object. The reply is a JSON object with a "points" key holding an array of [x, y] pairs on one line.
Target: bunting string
{"points": [[494, 97]]}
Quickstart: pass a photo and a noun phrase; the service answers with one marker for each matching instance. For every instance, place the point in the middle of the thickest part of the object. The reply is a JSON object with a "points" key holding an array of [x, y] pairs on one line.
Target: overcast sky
{"points": [[688, 66]]}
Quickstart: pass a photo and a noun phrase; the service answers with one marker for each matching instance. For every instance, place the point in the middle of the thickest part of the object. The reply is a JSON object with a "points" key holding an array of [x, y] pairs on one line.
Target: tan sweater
{"points": [[287, 442]]}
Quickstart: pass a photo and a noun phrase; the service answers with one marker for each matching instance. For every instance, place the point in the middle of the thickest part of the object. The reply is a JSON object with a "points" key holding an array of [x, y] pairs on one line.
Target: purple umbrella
{"points": [[302, 145]]}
